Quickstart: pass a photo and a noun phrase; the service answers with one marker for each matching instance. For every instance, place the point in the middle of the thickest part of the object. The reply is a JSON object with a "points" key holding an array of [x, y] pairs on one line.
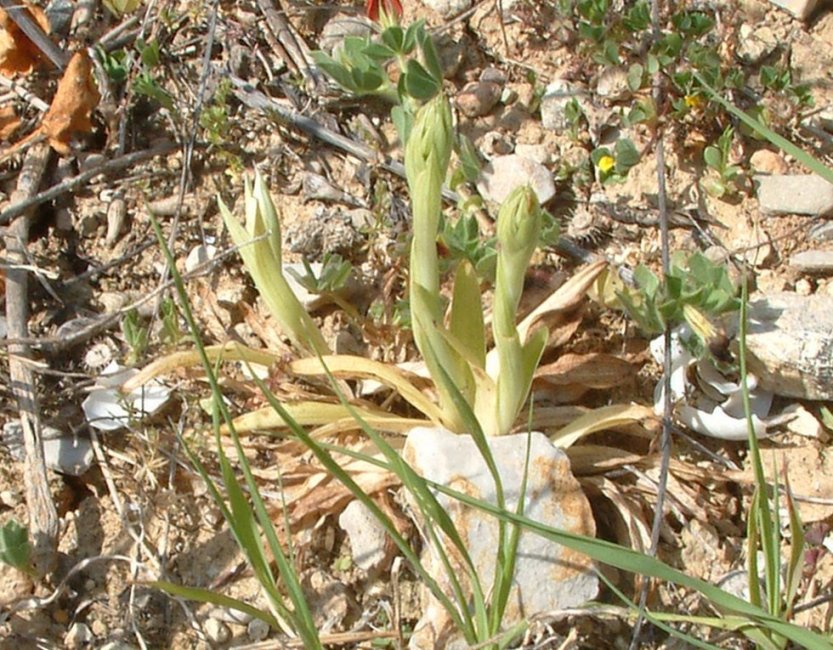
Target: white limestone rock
{"points": [[504, 173], [795, 194], [547, 576], [790, 341]]}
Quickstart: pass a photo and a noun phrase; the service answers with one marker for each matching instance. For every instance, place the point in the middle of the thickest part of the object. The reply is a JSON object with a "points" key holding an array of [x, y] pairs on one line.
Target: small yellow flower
{"points": [[606, 163], [695, 102]]}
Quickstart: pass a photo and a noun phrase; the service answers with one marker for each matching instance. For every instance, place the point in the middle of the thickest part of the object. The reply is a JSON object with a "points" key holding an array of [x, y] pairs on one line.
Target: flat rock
{"points": [[548, 576], [817, 262], [795, 194], [63, 452], [790, 341], [554, 103], [368, 539], [505, 173], [801, 9]]}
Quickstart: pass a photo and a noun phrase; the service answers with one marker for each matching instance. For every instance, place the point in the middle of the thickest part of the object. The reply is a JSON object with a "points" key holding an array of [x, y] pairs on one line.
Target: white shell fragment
{"points": [[62, 452], [706, 401], [108, 409]]}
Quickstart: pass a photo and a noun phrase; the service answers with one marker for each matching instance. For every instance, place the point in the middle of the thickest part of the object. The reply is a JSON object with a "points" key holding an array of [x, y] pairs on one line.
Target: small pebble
{"points": [[493, 75], [100, 629], [257, 630], [216, 631], [765, 161], [116, 215], [803, 287], [78, 636], [478, 98], [229, 615]]}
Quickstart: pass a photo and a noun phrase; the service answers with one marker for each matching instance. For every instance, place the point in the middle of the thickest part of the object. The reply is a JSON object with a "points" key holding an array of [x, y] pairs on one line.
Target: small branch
{"points": [[667, 406], [43, 518], [19, 207]]}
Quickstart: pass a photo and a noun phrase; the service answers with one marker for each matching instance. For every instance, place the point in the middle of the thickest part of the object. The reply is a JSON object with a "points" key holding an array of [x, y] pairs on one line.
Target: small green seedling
{"points": [[462, 240], [723, 176], [136, 335], [335, 272], [694, 292], [171, 332]]}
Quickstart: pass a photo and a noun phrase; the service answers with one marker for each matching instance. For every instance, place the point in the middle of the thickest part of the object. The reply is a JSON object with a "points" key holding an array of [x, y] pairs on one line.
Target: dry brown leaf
{"points": [[566, 298], [593, 370], [73, 104], [9, 121], [18, 54]]}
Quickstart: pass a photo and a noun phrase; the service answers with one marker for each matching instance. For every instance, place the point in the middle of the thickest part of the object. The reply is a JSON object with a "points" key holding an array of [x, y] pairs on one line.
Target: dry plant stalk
{"points": [[43, 518]]}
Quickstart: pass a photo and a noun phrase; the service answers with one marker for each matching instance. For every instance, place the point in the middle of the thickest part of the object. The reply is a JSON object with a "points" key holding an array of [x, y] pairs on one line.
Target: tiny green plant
{"points": [[171, 332], [360, 66], [333, 276], [15, 548], [136, 335], [613, 166], [723, 176], [695, 291]]}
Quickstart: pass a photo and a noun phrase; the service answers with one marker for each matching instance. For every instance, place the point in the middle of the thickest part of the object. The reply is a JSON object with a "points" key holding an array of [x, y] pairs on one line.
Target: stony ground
{"points": [[132, 504]]}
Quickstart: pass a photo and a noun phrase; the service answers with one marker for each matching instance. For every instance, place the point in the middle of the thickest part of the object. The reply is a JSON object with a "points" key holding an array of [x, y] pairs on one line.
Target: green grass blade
{"points": [[395, 464], [812, 163], [208, 596], [300, 616]]}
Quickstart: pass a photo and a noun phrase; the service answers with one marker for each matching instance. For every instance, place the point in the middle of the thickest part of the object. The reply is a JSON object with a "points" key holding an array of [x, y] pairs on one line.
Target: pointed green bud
{"points": [[518, 230]]}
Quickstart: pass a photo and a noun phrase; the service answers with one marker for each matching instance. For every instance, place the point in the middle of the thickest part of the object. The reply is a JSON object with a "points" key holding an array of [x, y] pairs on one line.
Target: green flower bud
{"points": [[518, 229]]}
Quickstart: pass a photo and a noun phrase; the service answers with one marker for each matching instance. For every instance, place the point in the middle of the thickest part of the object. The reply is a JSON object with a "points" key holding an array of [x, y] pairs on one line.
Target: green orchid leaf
{"points": [[466, 321]]}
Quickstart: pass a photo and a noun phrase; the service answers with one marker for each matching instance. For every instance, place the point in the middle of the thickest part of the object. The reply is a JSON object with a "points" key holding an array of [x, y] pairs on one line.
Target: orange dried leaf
{"points": [[9, 121], [73, 104], [18, 54]]}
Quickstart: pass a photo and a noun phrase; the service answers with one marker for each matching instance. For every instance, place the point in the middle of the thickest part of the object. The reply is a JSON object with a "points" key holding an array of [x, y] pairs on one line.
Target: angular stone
{"points": [[794, 194], [613, 84], [801, 9], [368, 539], [755, 44], [817, 262], [554, 103], [505, 173], [547, 576], [478, 98], [790, 341]]}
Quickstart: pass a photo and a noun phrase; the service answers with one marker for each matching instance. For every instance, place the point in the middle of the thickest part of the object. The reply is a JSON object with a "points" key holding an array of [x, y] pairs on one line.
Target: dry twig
{"points": [[43, 518]]}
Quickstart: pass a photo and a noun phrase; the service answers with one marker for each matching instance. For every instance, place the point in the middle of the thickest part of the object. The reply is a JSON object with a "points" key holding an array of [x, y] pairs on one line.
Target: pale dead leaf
{"points": [[18, 54], [601, 419], [593, 370], [566, 298], [73, 104], [9, 121], [598, 459]]}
